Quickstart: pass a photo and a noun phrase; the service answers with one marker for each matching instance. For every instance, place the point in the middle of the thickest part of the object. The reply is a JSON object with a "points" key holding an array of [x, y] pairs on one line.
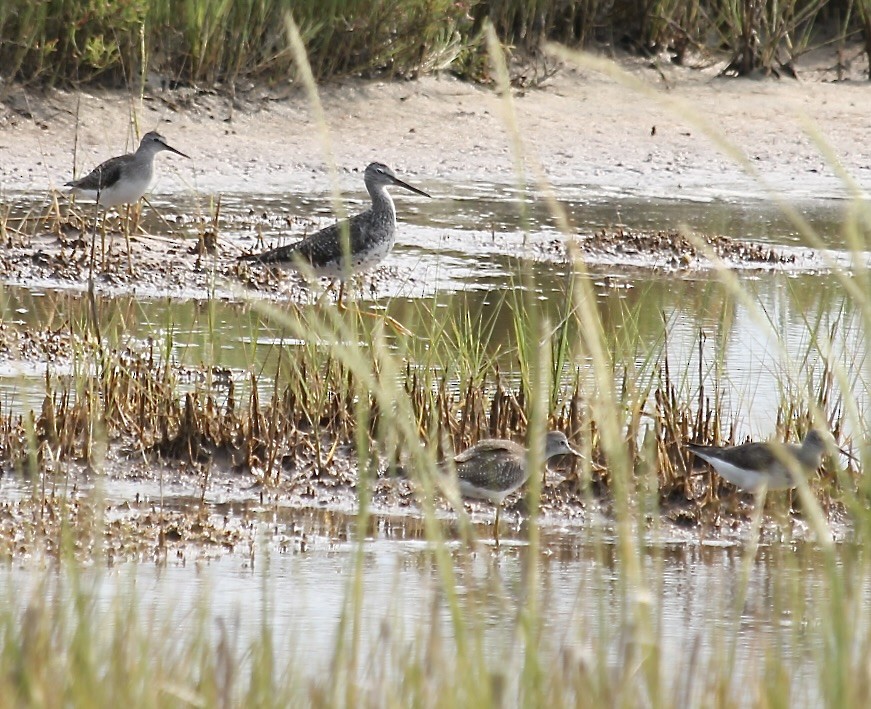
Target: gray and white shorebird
{"points": [[753, 466], [494, 468], [124, 179], [369, 236]]}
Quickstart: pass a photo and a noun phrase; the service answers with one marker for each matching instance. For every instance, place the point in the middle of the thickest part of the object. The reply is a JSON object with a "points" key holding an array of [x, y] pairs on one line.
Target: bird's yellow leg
{"points": [[340, 303], [127, 236], [395, 324]]}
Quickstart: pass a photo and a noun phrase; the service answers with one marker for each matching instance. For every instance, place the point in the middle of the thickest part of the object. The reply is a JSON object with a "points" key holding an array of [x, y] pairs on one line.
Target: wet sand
{"points": [[589, 133], [583, 128]]}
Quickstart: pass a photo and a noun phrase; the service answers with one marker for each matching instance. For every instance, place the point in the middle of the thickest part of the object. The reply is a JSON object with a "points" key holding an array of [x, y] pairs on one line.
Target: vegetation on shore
{"points": [[342, 379], [221, 43]]}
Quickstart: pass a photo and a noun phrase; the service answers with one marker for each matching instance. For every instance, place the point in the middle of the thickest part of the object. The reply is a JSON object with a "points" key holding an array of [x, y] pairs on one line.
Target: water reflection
{"points": [[470, 254], [299, 593]]}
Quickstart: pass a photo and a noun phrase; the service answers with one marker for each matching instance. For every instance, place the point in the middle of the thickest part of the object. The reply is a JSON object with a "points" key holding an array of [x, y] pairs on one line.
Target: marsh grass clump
{"points": [[304, 424], [76, 243], [768, 38], [221, 43], [676, 249], [63, 520], [70, 40]]}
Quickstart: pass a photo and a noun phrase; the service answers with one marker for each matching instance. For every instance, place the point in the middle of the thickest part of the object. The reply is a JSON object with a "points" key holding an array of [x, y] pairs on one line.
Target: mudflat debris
{"points": [[673, 249]]}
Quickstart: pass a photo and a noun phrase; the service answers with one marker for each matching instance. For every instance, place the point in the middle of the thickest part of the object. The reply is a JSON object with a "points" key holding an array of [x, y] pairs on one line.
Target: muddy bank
{"points": [[583, 129], [204, 265], [586, 131], [165, 512]]}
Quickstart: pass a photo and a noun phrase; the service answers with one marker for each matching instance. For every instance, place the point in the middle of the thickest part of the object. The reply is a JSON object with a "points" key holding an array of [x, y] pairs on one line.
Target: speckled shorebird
{"points": [[494, 468], [370, 235], [123, 179], [753, 466]]}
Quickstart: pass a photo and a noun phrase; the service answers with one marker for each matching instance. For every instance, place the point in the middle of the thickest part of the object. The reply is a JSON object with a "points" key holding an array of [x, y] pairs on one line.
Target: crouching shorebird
{"points": [[494, 468], [123, 179], [370, 236], [758, 466]]}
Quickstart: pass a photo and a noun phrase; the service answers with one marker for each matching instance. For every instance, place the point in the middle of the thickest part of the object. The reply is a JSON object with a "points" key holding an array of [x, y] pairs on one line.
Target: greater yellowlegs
{"points": [[753, 466], [494, 468], [370, 236], [123, 179]]}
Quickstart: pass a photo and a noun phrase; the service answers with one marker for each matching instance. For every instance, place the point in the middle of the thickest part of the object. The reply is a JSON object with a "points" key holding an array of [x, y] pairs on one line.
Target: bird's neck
{"points": [[811, 455], [146, 152], [381, 200]]}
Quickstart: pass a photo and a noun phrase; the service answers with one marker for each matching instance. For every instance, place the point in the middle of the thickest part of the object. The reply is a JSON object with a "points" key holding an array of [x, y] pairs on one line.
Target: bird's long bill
{"points": [[177, 152], [575, 452], [849, 455], [400, 183]]}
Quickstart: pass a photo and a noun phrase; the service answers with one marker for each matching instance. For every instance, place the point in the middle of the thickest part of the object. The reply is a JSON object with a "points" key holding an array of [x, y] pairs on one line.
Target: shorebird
{"points": [[370, 236], [494, 468], [754, 466], [123, 179]]}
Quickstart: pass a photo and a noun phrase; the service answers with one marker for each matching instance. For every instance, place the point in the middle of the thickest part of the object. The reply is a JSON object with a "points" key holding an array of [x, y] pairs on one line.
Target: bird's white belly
{"points": [[370, 258], [362, 261], [751, 480], [476, 493], [126, 191]]}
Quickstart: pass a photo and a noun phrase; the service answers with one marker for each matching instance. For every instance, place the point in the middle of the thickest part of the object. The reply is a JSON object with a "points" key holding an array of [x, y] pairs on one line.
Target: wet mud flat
{"points": [[198, 474], [139, 508], [265, 140], [208, 471], [203, 264], [214, 468]]}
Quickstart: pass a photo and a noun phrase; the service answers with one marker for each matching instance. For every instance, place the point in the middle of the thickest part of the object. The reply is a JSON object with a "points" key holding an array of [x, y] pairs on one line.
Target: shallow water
{"points": [[462, 254], [299, 592], [465, 251]]}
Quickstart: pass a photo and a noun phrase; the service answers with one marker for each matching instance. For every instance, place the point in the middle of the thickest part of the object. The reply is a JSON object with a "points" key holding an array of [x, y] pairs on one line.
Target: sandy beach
{"points": [[582, 128]]}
